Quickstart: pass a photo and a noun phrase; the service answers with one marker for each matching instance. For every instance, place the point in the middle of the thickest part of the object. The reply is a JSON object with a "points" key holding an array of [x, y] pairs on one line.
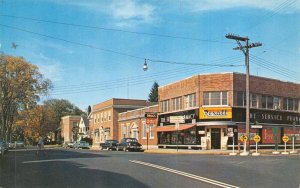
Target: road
{"points": [[85, 168]]}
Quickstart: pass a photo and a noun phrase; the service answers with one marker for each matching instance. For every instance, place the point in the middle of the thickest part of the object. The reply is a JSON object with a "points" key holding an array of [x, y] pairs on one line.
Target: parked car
{"points": [[81, 144], [68, 145], [19, 144], [3, 147], [129, 144], [11, 145], [109, 145]]}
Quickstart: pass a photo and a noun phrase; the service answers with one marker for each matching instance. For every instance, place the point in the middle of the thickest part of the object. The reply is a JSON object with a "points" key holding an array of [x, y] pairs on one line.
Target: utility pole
{"points": [[245, 50]]}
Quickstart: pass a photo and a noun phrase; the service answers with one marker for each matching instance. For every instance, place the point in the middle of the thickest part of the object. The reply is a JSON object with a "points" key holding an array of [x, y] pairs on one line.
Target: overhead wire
{"points": [[110, 29]]}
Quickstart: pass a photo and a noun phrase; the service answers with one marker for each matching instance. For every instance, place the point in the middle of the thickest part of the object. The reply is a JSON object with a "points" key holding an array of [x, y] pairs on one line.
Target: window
{"points": [[109, 115], [190, 101], [151, 131], [165, 106], [291, 104], [144, 130], [276, 103], [215, 98], [267, 102], [253, 101], [124, 131], [176, 103]]}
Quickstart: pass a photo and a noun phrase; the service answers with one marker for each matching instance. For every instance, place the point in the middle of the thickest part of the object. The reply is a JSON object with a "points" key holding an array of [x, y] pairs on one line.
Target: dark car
{"points": [[81, 144], [109, 145], [19, 144], [129, 144], [3, 147]]}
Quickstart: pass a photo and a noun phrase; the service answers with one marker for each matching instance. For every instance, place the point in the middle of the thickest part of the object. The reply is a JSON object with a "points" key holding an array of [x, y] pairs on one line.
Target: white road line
{"points": [[44, 161], [214, 182]]}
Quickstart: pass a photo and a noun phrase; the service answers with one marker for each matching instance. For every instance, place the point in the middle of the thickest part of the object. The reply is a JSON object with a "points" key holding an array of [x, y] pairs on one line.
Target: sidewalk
{"points": [[211, 152]]}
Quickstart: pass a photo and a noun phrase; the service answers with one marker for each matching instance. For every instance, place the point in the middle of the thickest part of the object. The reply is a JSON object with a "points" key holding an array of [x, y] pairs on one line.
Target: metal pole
{"points": [[147, 139], [233, 143]]}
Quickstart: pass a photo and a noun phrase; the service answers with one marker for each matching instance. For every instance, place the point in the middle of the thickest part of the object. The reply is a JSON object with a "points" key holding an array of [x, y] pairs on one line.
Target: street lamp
{"points": [[145, 66], [245, 50]]}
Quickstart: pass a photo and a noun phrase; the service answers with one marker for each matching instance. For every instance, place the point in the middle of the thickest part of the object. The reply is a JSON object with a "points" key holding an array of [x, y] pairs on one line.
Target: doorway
{"points": [[215, 138]]}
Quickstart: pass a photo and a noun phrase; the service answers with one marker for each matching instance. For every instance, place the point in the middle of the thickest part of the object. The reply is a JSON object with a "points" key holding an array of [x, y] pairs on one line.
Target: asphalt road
{"points": [[85, 168]]}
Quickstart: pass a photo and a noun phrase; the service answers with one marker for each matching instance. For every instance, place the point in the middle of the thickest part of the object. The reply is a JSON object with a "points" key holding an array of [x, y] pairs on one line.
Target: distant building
{"points": [[104, 118], [83, 130], [69, 128], [133, 124]]}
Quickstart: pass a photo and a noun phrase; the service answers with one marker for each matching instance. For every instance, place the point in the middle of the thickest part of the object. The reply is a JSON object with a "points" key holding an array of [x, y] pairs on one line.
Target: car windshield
{"points": [[131, 140]]}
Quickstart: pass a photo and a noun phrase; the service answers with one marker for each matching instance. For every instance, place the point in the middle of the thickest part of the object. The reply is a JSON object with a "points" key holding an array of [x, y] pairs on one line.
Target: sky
{"points": [[95, 50]]}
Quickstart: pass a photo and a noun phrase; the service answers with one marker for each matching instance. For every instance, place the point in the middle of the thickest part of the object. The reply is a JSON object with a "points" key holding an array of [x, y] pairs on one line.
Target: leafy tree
{"points": [[60, 108], [153, 96], [21, 85]]}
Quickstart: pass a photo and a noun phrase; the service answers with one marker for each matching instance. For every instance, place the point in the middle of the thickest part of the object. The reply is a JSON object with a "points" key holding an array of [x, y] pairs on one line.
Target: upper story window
{"points": [[176, 103], [215, 98], [164, 106], [270, 102], [241, 99], [109, 115], [190, 101], [290, 104]]}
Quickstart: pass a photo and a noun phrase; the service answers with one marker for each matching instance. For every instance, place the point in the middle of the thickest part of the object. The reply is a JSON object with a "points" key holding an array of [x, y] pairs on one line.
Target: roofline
{"points": [[138, 109]]}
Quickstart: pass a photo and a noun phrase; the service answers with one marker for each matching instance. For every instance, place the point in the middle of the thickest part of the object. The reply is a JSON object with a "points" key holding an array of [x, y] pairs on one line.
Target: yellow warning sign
{"points": [[256, 138], [244, 138], [285, 138]]}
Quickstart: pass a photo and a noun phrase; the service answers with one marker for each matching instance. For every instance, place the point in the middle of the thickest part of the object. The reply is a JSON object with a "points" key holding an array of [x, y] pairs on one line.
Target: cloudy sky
{"points": [[95, 50]]}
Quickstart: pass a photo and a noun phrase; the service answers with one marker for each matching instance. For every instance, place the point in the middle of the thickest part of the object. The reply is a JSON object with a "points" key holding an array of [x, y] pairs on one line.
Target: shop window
{"points": [[253, 101], [144, 130], [151, 131]]}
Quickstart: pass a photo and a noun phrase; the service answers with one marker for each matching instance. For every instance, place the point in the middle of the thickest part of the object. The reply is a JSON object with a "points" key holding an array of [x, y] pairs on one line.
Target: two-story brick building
{"points": [[133, 124], [104, 118], [210, 106]]}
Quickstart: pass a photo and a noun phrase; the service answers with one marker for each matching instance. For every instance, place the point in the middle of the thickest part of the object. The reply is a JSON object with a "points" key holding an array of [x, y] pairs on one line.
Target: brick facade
{"points": [[211, 91], [104, 118], [67, 123], [133, 124]]}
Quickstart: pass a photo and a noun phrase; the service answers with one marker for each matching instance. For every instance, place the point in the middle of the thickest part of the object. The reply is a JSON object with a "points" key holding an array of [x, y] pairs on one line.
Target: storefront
{"points": [[183, 135], [215, 122], [270, 125]]}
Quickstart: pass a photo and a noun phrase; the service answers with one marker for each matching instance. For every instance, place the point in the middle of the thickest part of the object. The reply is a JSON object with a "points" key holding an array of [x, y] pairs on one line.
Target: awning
{"points": [[173, 128]]}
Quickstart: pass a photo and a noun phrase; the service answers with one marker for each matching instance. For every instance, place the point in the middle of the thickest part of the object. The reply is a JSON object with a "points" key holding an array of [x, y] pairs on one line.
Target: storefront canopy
{"points": [[173, 128]]}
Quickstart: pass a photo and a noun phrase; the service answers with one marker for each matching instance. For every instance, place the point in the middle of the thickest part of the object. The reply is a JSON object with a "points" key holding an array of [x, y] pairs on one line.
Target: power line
{"points": [[122, 83], [175, 71], [107, 50], [112, 29]]}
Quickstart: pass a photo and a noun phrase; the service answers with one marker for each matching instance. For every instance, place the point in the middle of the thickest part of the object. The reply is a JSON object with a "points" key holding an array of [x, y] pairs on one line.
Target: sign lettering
{"points": [[215, 113]]}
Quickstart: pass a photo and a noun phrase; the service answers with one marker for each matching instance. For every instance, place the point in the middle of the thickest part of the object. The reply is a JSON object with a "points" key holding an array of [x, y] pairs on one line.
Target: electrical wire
{"points": [[111, 29]]}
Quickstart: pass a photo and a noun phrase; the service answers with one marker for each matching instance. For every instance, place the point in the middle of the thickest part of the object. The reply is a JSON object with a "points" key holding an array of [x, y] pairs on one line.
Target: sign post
{"points": [[244, 138], [285, 139], [256, 139], [151, 118], [231, 134], [275, 131], [294, 129]]}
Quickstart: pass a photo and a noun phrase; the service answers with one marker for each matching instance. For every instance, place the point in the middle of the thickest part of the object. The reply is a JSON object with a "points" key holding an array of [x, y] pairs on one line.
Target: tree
{"points": [[153, 96], [21, 85]]}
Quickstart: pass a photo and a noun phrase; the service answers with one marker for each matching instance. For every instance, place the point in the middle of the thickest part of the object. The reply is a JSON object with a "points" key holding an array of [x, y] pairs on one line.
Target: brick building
{"points": [[210, 106], [133, 124], [104, 118], [67, 124]]}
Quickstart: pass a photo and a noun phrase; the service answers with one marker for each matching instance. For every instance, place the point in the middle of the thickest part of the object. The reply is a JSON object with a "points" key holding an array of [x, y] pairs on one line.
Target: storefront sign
{"points": [[150, 118], [266, 116], [177, 119], [256, 126], [215, 113]]}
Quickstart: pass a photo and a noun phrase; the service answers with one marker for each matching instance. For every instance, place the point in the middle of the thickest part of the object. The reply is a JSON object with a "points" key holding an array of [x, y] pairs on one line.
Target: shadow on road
{"points": [[52, 172]]}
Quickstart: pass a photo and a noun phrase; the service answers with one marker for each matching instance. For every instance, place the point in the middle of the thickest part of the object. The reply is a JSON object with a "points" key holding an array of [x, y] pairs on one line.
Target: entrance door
{"points": [[215, 138]]}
